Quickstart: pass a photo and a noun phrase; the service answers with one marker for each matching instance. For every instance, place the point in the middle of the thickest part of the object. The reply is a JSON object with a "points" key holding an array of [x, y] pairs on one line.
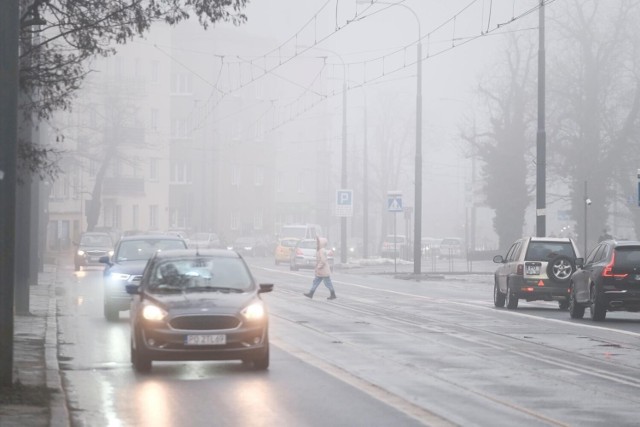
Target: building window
{"points": [[181, 83], [117, 217], [153, 169], [180, 173], [155, 71], [235, 176], [279, 181], [134, 217], [235, 222], [154, 119], [153, 217], [257, 220], [258, 177]]}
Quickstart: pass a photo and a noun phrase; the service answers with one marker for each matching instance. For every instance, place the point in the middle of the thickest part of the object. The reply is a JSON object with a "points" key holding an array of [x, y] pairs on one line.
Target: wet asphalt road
{"points": [[386, 352]]}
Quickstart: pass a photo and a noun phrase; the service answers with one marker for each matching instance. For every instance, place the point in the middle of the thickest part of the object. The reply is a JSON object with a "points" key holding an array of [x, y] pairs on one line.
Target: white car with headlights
{"points": [[126, 264], [198, 305]]}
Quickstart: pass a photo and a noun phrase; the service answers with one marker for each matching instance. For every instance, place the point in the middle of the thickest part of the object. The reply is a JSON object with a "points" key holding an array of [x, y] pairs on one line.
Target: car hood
{"points": [[199, 302], [129, 267]]}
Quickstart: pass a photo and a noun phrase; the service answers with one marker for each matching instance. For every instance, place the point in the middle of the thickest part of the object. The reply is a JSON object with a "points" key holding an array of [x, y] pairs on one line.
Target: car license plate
{"points": [[637, 276], [206, 340], [532, 269]]}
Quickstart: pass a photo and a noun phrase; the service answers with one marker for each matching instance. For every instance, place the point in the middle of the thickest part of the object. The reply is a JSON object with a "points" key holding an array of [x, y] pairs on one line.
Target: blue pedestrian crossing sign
{"points": [[344, 203], [394, 201]]}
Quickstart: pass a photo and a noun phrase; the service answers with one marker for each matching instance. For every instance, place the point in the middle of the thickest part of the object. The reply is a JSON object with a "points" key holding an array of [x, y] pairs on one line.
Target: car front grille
{"points": [[96, 253], [204, 322]]}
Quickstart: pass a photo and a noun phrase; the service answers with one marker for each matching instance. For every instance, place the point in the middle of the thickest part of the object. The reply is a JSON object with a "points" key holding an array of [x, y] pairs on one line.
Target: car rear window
{"points": [[546, 251], [310, 244], [628, 256], [140, 250]]}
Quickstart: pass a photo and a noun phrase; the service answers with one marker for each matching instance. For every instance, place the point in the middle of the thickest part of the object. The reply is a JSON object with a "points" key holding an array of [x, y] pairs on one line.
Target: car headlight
{"points": [[80, 253], [153, 313], [110, 253], [254, 311], [119, 276]]}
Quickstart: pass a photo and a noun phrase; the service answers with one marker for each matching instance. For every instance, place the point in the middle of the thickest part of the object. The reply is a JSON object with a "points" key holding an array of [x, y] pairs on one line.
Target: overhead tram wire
{"points": [[461, 42]]}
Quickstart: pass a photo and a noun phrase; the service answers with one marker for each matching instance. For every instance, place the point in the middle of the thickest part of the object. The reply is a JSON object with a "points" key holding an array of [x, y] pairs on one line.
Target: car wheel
{"points": [[598, 310], [110, 313], [560, 268], [563, 304], [576, 311], [141, 362], [498, 297], [261, 362], [510, 299], [77, 267]]}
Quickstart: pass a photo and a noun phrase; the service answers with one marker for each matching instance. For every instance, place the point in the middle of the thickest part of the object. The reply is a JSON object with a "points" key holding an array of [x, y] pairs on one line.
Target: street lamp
{"points": [[587, 203]]}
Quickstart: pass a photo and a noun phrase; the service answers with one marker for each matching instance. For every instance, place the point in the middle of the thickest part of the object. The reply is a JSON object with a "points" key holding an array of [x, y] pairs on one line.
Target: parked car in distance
{"points": [[91, 247], [284, 249], [608, 280], [198, 305], [535, 268], [394, 246], [204, 241], [304, 255], [126, 265], [452, 247], [249, 246], [430, 246]]}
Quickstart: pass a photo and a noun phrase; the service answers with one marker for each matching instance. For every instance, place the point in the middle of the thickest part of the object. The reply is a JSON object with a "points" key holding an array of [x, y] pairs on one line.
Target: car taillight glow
{"points": [[520, 270], [608, 269], [299, 252]]}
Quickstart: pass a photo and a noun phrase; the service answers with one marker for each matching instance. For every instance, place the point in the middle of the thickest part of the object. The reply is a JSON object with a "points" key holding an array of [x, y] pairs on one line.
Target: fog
{"points": [[239, 130]]}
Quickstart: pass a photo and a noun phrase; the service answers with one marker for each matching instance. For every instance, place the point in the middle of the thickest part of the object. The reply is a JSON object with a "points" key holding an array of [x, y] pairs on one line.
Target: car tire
{"points": [[110, 313], [576, 310], [498, 297], [511, 300], [77, 267], [596, 306], [141, 362], [261, 362], [563, 304], [561, 268]]}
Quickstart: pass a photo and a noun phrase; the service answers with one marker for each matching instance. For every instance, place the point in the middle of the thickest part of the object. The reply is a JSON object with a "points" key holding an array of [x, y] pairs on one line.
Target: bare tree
{"points": [[595, 104]]}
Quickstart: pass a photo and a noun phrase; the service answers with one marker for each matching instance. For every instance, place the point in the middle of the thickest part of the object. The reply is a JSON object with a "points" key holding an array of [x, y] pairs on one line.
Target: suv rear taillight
{"points": [[520, 270], [608, 269], [299, 252]]}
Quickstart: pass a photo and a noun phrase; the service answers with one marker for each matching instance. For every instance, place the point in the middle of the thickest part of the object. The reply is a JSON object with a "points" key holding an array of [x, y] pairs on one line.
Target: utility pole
{"points": [[365, 189], [541, 137], [9, 35]]}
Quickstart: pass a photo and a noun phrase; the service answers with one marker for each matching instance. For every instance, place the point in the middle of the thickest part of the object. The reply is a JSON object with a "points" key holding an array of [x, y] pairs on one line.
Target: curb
{"points": [[58, 411]]}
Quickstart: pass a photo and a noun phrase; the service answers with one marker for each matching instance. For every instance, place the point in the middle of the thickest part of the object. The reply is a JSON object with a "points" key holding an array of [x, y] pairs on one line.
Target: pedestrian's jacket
{"points": [[322, 263]]}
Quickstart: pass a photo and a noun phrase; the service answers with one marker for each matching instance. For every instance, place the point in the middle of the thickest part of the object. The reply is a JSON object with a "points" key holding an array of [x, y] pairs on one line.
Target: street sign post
{"points": [[394, 205]]}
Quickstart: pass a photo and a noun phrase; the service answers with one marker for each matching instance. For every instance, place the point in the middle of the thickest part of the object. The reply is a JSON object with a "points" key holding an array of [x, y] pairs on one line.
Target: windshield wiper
{"points": [[213, 289]]}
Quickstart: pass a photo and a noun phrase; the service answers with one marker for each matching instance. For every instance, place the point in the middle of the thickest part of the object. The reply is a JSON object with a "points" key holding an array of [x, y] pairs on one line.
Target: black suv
{"points": [[126, 265], [535, 268], [609, 280]]}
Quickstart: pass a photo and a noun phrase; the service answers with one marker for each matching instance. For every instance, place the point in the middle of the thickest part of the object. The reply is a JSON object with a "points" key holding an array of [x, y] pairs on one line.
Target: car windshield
{"points": [[545, 251], [289, 243], [96, 240], [200, 236], [200, 274], [308, 244], [143, 249]]}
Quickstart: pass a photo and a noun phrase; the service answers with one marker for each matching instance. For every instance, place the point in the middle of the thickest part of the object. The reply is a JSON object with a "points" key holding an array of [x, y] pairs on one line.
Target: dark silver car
{"points": [[126, 266], [608, 280], [198, 305], [91, 247]]}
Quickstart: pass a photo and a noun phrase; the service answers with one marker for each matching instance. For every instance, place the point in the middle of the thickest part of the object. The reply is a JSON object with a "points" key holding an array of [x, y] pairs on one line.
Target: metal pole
{"points": [[365, 189], [343, 181], [417, 268], [541, 137], [585, 218], [9, 31]]}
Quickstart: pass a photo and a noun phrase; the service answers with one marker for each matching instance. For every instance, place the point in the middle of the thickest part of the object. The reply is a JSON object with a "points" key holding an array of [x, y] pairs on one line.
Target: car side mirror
{"points": [[265, 287], [498, 259], [105, 259], [579, 262], [133, 289]]}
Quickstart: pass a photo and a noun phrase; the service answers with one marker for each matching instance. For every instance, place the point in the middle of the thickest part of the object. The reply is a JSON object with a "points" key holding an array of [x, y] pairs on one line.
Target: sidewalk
{"points": [[35, 358]]}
